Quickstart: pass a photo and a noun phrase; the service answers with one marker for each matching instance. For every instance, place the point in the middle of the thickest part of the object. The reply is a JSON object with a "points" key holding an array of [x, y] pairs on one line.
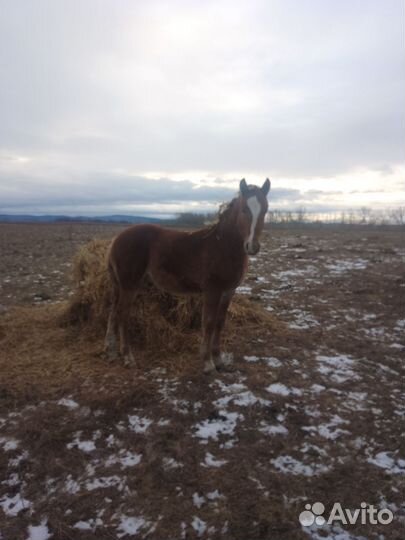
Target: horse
{"points": [[211, 261]]}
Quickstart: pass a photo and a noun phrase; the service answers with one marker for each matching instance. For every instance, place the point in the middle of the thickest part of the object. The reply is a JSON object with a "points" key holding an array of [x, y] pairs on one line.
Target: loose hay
{"points": [[158, 320], [52, 350]]}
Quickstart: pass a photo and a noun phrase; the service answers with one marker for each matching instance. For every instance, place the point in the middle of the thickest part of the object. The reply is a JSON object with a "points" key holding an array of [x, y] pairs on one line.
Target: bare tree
{"points": [[352, 217], [189, 219], [288, 216], [364, 214], [301, 214], [398, 215]]}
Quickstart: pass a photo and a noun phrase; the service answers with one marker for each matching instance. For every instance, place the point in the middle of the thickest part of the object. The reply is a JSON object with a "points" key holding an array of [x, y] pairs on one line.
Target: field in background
{"points": [[313, 411]]}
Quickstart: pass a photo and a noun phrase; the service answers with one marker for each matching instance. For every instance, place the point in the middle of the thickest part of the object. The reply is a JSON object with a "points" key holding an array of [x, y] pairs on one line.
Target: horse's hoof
{"points": [[223, 368], [224, 361], [109, 355], [209, 367], [129, 361]]}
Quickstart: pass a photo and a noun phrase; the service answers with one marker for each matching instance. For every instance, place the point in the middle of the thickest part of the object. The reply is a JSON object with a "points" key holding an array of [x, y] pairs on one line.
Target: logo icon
{"points": [[367, 513], [312, 514]]}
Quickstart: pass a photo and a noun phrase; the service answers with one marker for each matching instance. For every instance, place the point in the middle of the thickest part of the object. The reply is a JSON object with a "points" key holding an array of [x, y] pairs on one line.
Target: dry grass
{"points": [[42, 360], [54, 349]]}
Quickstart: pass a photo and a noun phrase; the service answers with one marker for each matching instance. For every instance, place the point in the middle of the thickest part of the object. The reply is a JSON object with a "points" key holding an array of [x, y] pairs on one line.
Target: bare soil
{"points": [[312, 411]]}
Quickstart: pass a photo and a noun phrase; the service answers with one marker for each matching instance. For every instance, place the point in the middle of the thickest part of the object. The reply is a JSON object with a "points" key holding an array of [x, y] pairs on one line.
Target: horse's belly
{"points": [[173, 283]]}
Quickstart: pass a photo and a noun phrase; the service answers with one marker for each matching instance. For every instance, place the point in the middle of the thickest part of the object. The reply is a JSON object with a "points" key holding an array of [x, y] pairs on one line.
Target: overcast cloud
{"points": [[149, 107]]}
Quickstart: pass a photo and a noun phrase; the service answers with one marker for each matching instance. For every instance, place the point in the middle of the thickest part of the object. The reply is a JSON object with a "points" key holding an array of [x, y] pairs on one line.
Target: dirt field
{"points": [[313, 411]]}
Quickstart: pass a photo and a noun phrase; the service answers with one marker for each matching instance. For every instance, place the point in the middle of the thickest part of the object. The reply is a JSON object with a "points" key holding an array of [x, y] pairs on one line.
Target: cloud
{"points": [[118, 191], [214, 90]]}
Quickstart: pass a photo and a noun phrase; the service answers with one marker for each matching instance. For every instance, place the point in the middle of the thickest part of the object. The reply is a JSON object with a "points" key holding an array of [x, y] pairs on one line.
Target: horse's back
{"points": [[170, 257], [176, 261]]}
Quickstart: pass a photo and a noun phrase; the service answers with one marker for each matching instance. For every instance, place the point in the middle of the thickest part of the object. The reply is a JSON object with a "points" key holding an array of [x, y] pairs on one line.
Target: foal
{"points": [[211, 261]]}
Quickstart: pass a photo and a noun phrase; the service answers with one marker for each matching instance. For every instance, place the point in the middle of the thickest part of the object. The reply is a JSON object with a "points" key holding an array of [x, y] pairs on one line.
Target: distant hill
{"points": [[26, 218]]}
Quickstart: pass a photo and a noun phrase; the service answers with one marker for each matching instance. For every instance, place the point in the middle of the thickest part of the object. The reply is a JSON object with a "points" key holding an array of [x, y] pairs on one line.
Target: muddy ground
{"points": [[313, 410]]}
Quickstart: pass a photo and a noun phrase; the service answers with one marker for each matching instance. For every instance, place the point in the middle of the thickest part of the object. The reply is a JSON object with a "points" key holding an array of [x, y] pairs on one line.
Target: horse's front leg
{"points": [[221, 317], [211, 301]]}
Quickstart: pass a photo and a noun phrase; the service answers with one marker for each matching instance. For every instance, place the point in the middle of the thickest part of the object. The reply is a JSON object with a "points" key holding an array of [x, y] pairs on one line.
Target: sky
{"points": [[153, 108]]}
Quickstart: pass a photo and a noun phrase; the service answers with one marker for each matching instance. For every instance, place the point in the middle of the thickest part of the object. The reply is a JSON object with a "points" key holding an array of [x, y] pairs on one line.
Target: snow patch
{"points": [[276, 429], [303, 320], [269, 360], [8, 443], [69, 403], [13, 505], [289, 465], [38, 532], [211, 461], [282, 390], [199, 526], [198, 501], [138, 424], [385, 461], [170, 463], [130, 525], [223, 424], [213, 495], [104, 482], [345, 265], [251, 358], [317, 388], [244, 289], [125, 458], [337, 368], [84, 446], [329, 430], [83, 526]]}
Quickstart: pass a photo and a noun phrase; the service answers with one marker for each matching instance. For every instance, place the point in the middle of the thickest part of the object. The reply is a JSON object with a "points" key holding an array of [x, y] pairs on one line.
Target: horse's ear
{"points": [[243, 186], [266, 186]]}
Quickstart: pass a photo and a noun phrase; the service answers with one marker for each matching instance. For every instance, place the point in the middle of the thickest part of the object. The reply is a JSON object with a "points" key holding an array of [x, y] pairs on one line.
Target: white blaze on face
{"points": [[254, 207]]}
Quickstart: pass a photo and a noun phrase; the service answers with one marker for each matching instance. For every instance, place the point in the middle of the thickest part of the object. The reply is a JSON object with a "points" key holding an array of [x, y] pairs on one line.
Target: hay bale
{"points": [[158, 319], [92, 283]]}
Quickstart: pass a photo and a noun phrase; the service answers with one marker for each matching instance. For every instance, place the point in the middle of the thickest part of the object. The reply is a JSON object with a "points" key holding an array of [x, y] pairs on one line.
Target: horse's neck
{"points": [[225, 231], [228, 233]]}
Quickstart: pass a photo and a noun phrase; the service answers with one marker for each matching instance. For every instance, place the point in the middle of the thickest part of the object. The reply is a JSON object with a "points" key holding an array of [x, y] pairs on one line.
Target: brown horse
{"points": [[211, 261]]}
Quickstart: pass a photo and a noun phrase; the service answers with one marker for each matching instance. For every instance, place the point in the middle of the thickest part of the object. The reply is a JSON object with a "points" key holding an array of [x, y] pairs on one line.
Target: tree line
{"points": [[300, 216], [358, 216]]}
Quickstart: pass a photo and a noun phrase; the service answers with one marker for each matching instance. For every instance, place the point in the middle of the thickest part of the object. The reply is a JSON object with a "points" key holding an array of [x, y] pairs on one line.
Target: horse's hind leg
{"points": [[110, 342], [124, 310]]}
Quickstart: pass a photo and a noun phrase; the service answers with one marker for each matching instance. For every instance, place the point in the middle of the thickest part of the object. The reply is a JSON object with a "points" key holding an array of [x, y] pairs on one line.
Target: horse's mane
{"points": [[222, 217], [226, 210]]}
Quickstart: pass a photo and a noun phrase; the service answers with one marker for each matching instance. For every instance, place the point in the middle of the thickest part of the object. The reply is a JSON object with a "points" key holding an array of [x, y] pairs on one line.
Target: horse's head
{"points": [[252, 210]]}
